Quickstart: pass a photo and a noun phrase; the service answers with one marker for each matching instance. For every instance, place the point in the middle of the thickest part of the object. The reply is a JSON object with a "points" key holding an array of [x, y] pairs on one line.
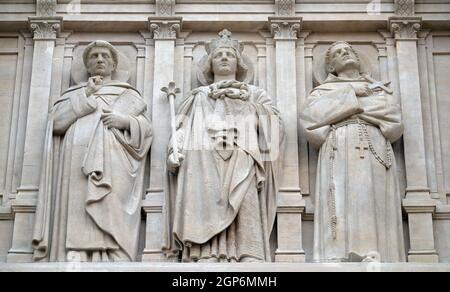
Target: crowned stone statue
{"points": [[221, 194]]}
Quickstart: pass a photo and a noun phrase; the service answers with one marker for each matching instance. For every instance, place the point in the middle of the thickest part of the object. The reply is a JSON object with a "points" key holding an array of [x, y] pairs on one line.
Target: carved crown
{"points": [[224, 41]]}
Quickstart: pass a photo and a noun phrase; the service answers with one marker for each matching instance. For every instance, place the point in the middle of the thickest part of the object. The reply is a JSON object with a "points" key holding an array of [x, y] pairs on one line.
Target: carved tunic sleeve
{"points": [[384, 114], [262, 99], [138, 139], [324, 108], [71, 107]]}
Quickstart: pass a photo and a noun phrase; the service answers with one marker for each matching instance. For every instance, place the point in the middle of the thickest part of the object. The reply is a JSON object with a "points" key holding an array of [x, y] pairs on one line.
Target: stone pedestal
{"points": [[290, 246], [153, 208]]}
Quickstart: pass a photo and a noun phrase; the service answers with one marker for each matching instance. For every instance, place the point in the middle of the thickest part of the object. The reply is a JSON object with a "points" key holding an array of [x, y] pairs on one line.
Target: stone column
{"points": [[164, 31], [290, 202], [418, 203], [45, 30]]}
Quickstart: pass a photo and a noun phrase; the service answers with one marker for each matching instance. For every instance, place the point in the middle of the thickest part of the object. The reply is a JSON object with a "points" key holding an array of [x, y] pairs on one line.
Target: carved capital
{"points": [[46, 7], [405, 7], [165, 28], [45, 28], [285, 28], [285, 7], [405, 28], [165, 7]]}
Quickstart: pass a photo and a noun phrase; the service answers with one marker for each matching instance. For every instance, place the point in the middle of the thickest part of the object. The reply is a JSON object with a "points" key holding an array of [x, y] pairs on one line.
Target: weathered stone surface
{"points": [[284, 42], [222, 185], [94, 212], [353, 119]]}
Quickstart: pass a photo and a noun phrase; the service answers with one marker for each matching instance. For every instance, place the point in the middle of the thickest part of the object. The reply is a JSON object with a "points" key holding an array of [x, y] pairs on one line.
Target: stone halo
{"points": [[205, 80], [80, 75], [321, 74]]}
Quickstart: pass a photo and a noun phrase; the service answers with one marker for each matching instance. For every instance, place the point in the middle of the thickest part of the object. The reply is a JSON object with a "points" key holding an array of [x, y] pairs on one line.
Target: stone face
{"points": [[404, 47]]}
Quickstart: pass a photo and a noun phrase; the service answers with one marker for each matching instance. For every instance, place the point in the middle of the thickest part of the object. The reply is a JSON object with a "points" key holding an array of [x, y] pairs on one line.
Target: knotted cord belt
{"points": [[363, 135]]}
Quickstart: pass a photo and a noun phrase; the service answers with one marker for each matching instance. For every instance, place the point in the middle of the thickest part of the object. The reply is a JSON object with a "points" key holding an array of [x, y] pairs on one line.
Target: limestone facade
{"points": [[406, 42]]}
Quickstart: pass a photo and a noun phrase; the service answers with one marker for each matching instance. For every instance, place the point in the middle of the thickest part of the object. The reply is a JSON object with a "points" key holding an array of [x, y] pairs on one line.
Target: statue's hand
{"points": [[94, 84], [172, 164], [114, 120], [362, 90]]}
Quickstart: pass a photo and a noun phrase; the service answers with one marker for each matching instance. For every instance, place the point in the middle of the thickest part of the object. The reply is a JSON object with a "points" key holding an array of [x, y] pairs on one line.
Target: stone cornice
{"points": [[165, 28], [419, 206], [405, 28], [285, 28], [45, 28], [442, 212], [6, 213], [290, 203]]}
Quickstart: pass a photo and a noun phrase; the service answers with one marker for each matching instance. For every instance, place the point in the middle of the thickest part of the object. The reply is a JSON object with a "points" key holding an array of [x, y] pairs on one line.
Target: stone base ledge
{"points": [[223, 268]]}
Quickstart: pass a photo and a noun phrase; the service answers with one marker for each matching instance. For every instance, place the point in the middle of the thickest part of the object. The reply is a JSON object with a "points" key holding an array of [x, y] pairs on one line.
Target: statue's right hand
{"points": [[94, 84], [362, 90], [172, 164]]}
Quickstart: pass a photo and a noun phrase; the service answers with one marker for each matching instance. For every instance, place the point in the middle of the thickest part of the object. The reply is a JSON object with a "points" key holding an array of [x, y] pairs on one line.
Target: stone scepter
{"points": [[171, 92]]}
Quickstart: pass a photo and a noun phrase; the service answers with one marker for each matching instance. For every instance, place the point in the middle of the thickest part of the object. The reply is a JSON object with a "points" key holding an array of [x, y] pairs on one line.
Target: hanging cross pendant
{"points": [[362, 147]]}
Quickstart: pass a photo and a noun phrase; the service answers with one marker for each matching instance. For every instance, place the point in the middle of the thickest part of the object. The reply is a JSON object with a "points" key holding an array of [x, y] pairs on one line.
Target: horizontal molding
{"points": [[9, 51], [224, 268], [6, 214], [442, 212]]}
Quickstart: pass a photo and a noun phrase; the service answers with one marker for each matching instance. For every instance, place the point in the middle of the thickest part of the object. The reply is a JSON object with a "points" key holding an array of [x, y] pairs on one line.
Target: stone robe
{"points": [[223, 200], [358, 201], [92, 181]]}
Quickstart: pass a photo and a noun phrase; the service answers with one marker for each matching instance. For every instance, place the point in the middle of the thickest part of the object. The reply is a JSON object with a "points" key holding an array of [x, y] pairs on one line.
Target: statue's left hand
{"points": [[115, 120]]}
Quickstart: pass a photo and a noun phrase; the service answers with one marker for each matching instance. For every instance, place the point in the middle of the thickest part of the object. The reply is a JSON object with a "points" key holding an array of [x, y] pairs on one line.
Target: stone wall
{"points": [[406, 42]]}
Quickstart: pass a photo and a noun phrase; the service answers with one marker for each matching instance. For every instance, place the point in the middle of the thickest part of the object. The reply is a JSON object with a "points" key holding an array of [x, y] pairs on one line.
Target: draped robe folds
{"points": [[366, 201], [222, 202], [92, 180]]}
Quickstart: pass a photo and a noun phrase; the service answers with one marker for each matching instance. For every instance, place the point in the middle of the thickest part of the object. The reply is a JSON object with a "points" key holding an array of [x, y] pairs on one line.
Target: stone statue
{"points": [[353, 119], [89, 206], [221, 196]]}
